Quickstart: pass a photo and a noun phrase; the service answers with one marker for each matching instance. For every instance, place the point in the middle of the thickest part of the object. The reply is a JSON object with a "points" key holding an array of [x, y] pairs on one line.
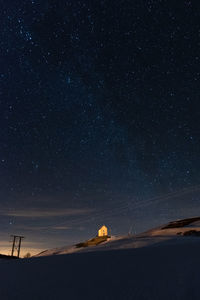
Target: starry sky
{"points": [[99, 105]]}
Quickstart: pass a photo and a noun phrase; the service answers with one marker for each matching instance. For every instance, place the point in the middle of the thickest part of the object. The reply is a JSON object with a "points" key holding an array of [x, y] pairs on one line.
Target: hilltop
{"points": [[3, 256], [173, 232]]}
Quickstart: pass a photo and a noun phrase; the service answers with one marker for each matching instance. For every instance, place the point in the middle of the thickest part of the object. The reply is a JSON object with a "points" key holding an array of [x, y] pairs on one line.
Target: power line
{"points": [[121, 207]]}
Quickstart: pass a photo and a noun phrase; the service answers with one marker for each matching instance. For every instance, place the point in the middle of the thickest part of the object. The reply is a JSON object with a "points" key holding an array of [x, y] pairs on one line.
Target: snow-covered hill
{"points": [[172, 232], [164, 270]]}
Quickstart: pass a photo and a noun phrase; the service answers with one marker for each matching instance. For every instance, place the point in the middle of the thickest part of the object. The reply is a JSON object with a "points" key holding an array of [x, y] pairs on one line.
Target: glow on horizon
{"points": [[23, 251]]}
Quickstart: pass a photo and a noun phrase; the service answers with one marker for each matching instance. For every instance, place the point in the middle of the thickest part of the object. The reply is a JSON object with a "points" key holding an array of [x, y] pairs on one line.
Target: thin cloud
{"points": [[42, 213], [39, 228], [60, 227]]}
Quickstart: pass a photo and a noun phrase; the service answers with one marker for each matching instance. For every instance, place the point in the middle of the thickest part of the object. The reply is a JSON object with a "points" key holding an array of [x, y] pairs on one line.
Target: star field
{"points": [[99, 104]]}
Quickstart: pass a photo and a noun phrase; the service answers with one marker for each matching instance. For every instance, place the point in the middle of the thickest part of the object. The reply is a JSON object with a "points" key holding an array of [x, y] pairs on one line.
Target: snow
{"points": [[161, 267], [152, 237], [154, 272]]}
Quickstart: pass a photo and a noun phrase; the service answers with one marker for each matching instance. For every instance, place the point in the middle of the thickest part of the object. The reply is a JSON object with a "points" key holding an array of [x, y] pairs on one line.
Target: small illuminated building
{"points": [[103, 231]]}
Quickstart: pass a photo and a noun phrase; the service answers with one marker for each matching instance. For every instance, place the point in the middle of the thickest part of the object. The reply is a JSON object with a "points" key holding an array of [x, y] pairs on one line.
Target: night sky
{"points": [[99, 117]]}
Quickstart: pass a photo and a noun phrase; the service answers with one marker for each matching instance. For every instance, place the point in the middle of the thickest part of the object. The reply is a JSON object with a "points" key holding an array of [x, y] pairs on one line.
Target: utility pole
{"points": [[17, 240], [13, 245]]}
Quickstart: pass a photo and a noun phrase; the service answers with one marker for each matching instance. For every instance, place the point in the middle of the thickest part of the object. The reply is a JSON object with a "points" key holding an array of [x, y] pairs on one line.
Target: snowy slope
{"points": [[166, 270], [168, 233]]}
